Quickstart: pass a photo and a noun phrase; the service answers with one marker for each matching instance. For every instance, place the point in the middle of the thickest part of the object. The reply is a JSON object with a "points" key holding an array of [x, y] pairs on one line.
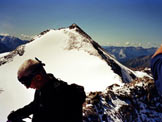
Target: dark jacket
{"points": [[156, 68], [55, 102]]}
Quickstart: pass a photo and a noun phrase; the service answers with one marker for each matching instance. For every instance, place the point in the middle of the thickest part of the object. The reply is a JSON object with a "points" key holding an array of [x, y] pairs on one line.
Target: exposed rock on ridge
{"points": [[18, 51], [103, 54], [137, 101]]}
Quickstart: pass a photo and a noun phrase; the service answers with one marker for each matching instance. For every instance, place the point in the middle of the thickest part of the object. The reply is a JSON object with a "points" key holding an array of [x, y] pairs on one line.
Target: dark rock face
{"points": [[103, 54], [115, 67], [137, 101]]}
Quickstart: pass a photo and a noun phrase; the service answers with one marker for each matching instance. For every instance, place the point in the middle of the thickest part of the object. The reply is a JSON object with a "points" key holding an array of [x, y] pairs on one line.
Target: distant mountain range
{"points": [[133, 57], [139, 62], [9, 43]]}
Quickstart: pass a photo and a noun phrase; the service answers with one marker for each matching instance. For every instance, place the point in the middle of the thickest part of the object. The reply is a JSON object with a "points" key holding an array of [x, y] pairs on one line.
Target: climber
{"points": [[54, 101]]}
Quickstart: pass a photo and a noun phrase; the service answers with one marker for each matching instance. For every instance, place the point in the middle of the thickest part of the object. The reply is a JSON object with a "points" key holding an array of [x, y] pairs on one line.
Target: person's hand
{"points": [[158, 51], [9, 121], [13, 117]]}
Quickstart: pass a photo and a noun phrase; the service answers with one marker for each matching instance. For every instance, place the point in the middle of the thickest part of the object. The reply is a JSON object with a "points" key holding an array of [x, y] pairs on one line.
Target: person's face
{"points": [[37, 82], [32, 80], [26, 79]]}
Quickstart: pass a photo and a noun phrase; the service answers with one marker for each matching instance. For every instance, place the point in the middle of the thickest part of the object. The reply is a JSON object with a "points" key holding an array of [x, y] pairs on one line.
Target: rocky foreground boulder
{"points": [[137, 101]]}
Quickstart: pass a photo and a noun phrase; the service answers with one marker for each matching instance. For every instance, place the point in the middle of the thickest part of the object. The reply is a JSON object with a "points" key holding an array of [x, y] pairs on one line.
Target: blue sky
{"points": [[109, 22]]}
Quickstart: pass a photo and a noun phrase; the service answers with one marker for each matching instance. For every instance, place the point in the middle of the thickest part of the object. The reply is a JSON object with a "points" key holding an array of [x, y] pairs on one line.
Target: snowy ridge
{"points": [[126, 74], [71, 55], [3, 54], [39, 35]]}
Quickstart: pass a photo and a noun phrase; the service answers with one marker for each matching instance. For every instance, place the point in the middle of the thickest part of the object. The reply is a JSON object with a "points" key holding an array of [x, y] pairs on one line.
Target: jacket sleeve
{"points": [[24, 112], [156, 68]]}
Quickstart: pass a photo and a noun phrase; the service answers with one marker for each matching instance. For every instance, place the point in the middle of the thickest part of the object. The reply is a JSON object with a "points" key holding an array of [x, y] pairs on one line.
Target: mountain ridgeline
{"points": [[133, 57], [115, 93]]}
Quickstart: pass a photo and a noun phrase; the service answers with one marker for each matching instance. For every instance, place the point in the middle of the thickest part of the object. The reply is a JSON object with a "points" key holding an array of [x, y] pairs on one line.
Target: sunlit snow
{"points": [[68, 55]]}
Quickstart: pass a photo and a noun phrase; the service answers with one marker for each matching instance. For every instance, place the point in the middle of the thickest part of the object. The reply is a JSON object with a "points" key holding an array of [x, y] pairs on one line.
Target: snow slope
{"points": [[71, 55]]}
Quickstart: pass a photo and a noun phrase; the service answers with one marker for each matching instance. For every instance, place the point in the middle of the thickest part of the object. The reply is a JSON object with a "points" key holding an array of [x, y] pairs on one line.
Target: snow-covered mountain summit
{"points": [[71, 55]]}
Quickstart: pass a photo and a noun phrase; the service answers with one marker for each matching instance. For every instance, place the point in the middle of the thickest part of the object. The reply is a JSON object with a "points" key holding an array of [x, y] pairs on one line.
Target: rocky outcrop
{"points": [[9, 57], [137, 101]]}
